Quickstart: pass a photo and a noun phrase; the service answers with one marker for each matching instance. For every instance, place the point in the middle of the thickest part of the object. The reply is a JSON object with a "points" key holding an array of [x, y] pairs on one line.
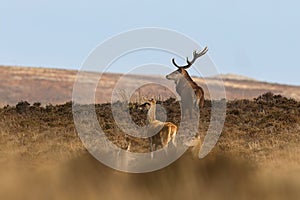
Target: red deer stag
{"points": [[191, 94]]}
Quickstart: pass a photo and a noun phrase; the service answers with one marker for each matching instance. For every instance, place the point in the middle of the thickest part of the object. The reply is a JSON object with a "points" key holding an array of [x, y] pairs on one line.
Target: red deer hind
{"points": [[162, 132], [191, 94]]}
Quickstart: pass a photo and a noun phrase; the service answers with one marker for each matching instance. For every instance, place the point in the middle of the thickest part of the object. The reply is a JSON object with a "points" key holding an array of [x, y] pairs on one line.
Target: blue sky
{"points": [[259, 39]]}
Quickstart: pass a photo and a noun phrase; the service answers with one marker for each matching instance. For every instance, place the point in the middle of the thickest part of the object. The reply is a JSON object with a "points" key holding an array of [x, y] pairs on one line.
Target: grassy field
{"points": [[256, 157]]}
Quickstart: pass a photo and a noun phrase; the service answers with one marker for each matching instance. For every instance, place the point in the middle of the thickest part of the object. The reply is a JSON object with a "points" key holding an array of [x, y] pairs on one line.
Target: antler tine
{"points": [[195, 53], [195, 56], [174, 63], [187, 60], [203, 52]]}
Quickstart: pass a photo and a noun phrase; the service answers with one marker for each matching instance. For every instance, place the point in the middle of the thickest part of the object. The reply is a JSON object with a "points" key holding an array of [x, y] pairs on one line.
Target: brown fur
{"points": [[192, 95], [164, 132]]}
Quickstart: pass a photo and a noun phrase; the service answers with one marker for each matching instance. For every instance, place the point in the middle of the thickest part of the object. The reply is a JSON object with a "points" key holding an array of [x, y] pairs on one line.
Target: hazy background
{"points": [[259, 39]]}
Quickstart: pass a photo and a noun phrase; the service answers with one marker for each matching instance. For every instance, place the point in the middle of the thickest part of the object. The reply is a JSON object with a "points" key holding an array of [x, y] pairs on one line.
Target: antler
{"points": [[189, 63]]}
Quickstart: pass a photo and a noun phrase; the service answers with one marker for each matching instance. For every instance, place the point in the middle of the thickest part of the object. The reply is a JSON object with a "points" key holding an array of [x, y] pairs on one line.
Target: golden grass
{"points": [[256, 157]]}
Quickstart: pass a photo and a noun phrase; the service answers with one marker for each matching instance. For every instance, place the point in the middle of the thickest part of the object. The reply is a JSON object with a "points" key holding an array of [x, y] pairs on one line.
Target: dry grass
{"points": [[257, 156]]}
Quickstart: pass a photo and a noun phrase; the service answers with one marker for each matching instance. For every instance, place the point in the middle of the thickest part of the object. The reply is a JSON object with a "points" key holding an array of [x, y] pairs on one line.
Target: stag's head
{"points": [[181, 71]]}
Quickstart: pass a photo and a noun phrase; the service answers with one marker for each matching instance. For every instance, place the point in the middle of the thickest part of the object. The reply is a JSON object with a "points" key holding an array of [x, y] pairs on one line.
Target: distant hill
{"points": [[235, 77], [54, 86]]}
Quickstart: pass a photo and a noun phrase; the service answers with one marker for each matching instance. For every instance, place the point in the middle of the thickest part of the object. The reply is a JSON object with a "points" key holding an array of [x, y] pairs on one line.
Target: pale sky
{"points": [[259, 39]]}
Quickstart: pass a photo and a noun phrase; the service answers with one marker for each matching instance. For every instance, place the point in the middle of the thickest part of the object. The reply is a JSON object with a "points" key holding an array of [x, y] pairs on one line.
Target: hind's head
{"points": [[147, 103]]}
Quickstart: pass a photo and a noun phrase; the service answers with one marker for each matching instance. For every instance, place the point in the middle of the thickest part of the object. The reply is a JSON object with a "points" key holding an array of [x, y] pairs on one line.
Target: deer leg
{"points": [[153, 149], [151, 146], [174, 141], [165, 145]]}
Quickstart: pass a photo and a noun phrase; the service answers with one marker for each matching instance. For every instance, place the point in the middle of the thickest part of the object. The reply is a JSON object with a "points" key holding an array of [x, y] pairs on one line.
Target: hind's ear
{"points": [[147, 105], [152, 100], [144, 100]]}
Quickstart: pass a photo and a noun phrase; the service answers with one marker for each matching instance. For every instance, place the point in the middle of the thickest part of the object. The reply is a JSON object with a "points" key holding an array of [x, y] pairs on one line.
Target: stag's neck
{"points": [[151, 114], [181, 84], [184, 82], [190, 80]]}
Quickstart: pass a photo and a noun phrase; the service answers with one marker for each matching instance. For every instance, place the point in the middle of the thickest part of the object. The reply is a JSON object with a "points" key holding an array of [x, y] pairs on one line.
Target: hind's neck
{"points": [[151, 113]]}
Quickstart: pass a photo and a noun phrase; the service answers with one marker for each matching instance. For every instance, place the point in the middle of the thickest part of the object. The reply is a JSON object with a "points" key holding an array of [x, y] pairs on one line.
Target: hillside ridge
{"points": [[55, 86]]}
